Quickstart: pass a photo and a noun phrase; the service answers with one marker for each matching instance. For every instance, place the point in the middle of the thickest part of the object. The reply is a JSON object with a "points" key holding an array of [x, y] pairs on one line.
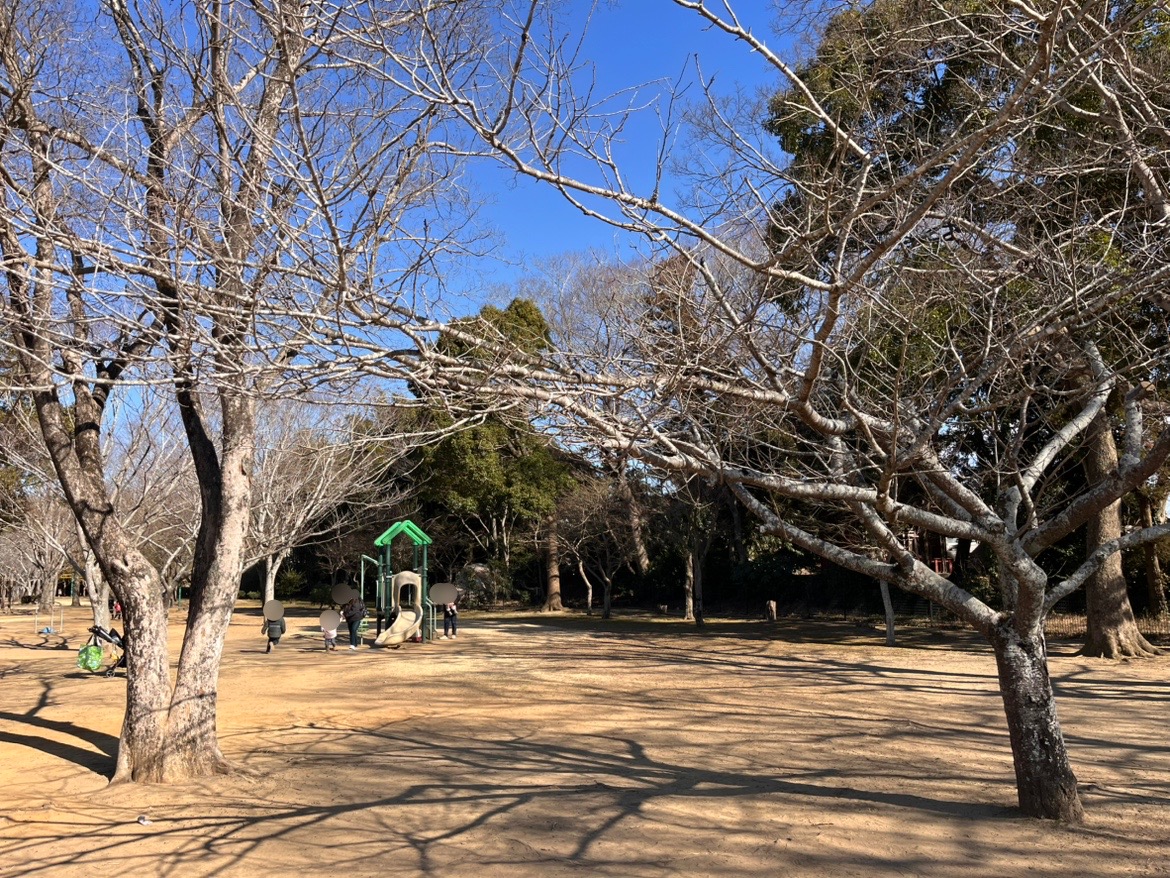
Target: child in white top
{"points": [[330, 635]]}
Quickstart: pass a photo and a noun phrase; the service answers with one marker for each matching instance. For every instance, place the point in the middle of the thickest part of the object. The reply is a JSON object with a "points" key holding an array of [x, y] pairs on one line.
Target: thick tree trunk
{"points": [[1045, 781], [552, 570], [888, 606], [689, 589], [1155, 589], [637, 525], [47, 598], [142, 749], [225, 484], [607, 598], [1112, 629]]}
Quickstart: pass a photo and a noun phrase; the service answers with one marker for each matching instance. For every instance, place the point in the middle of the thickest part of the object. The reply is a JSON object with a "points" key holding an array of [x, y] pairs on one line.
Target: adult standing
{"points": [[354, 611]]}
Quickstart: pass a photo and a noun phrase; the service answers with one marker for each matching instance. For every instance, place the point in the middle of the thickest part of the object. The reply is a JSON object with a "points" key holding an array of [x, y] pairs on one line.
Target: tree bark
{"points": [[588, 586], [98, 592], [606, 597], [738, 541], [689, 589], [1155, 589], [552, 570], [697, 580], [637, 525], [1045, 782], [142, 747], [272, 565], [1112, 629], [888, 606], [47, 599], [225, 484]]}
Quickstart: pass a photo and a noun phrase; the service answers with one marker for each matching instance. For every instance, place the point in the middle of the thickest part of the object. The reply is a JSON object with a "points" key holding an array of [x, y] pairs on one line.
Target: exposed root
{"points": [[1121, 647]]}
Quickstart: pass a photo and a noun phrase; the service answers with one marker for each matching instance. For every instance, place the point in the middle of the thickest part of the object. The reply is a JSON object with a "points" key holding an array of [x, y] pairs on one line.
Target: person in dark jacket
{"points": [[450, 621], [354, 611], [273, 628]]}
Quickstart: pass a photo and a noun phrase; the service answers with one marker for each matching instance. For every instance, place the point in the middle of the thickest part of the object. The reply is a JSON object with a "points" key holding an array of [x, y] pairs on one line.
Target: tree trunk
{"points": [[606, 597], [272, 565], [1154, 588], [637, 525], [689, 589], [98, 592], [142, 748], [552, 569], [47, 599], [1112, 629], [738, 541], [697, 580], [588, 587], [888, 606], [225, 484], [1045, 781]]}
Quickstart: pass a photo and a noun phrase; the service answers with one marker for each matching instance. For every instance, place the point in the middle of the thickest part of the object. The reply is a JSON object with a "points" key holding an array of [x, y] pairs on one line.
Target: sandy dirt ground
{"points": [[536, 746]]}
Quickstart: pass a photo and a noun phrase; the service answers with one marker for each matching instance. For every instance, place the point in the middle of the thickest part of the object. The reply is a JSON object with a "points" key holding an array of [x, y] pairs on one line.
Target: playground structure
{"points": [[415, 618], [404, 621]]}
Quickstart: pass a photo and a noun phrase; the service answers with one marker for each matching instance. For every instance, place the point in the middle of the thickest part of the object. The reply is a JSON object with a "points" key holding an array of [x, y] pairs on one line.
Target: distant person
{"points": [[354, 611], [117, 609], [330, 635], [274, 628], [450, 621]]}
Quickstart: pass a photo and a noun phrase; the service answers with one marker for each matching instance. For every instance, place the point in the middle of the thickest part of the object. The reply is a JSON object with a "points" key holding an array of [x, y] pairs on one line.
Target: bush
{"points": [[290, 584]]}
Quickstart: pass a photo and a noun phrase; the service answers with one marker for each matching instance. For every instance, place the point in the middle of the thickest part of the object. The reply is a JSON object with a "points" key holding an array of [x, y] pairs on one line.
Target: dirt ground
{"points": [[536, 746]]}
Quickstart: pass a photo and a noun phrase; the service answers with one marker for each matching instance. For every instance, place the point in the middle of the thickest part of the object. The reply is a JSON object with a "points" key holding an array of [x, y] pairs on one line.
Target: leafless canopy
{"points": [[908, 313]]}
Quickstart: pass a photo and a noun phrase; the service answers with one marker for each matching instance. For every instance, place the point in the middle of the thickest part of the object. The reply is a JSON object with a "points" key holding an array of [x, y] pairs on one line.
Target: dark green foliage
{"points": [[488, 487]]}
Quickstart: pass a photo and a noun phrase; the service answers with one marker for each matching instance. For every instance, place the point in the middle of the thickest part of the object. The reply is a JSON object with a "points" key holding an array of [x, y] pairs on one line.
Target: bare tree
{"points": [[851, 330], [43, 542], [316, 475], [592, 525], [193, 194]]}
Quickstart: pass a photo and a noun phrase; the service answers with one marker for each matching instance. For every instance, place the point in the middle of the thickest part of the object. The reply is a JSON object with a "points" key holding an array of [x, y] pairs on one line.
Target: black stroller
{"points": [[90, 656]]}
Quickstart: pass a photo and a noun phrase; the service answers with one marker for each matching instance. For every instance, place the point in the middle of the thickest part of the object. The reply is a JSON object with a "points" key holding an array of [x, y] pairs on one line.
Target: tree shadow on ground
{"points": [[60, 643], [834, 632], [487, 789], [101, 762]]}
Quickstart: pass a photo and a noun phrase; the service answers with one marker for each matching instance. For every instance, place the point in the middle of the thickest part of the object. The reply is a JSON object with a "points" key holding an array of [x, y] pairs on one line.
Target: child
{"points": [[450, 621], [273, 628], [330, 635]]}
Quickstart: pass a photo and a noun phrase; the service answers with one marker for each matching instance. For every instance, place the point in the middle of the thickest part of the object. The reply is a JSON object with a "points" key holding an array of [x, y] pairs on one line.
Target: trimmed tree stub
{"points": [[770, 611]]}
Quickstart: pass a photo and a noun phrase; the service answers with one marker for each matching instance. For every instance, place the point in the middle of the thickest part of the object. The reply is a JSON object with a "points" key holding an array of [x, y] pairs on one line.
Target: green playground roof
{"points": [[407, 527]]}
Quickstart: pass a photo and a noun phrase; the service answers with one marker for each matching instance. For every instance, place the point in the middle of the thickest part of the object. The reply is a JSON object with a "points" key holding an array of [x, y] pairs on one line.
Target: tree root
{"points": [[1126, 647]]}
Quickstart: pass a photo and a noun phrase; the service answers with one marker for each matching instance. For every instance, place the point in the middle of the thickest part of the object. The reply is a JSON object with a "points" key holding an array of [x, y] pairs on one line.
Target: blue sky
{"points": [[631, 42]]}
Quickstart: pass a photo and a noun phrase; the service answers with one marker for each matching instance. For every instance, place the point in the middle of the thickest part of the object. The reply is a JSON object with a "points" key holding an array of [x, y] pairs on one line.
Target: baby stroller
{"points": [[90, 656]]}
